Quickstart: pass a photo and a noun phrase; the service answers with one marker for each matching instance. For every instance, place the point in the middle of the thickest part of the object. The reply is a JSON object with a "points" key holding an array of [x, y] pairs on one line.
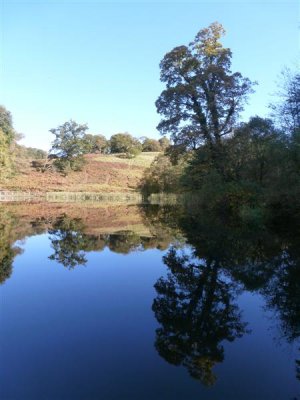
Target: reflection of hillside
{"points": [[96, 217], [76, 229]]}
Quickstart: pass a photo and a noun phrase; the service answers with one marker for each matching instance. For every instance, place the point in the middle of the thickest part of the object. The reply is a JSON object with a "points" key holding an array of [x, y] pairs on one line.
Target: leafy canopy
{"points": [[125, 143], [203, 97], [68, 146]]}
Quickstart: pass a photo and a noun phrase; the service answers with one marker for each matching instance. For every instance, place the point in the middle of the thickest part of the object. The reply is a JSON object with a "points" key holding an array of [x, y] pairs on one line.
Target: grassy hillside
{"points": [[102, 173]]}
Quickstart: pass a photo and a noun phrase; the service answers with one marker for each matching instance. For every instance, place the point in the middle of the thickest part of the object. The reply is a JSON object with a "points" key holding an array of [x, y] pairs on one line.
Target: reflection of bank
{"points": [[75, 230], [70, 242], [196, 310]]}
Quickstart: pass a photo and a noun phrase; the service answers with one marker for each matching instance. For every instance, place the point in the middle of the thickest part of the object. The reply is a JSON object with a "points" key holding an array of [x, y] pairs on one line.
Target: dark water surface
{"points": [[127, 302]]}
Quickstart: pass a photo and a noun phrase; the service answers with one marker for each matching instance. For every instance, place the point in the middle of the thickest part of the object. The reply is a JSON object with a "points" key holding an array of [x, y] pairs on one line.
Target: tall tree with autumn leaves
{"points": [[203, 98]]}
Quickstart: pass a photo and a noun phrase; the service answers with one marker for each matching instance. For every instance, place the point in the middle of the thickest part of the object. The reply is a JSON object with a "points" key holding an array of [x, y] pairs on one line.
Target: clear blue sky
{"points": [[98, 62]]}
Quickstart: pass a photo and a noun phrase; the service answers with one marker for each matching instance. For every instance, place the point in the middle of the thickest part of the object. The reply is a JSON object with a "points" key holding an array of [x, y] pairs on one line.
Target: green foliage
{"points": [[95, 143], [125, 143], [258, 166], [287, 110], [163, 176], [5, 156], [151, 145], [31, 153], [164, 143], [7, 136], [69, 146], [6, 124]]}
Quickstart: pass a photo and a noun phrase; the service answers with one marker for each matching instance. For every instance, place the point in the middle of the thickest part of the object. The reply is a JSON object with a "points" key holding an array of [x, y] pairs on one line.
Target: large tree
{"points": [[203, 97]]}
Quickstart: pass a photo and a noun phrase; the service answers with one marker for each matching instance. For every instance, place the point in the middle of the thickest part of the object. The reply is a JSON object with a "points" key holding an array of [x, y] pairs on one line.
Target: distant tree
{"points": [[164, 143], [69, 146], [6, 124], [31, 153], [151, 145], [125, 143], [95, 143], [203, 97], [287, 109]]}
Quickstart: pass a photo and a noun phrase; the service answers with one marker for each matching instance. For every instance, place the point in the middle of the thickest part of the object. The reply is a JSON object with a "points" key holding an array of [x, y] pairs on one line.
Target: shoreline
{"points": [[7, 196]]}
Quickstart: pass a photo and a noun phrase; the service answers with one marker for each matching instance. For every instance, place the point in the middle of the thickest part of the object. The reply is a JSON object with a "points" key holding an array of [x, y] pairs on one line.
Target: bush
{"points": [[151, 145], [163, 176], [125, 143]]}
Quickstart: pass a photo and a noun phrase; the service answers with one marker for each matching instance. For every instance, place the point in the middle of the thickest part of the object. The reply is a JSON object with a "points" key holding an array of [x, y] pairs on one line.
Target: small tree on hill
{"points": [[151, 145], [164, 143], [68, 146], [125, 143], [95, 143]]}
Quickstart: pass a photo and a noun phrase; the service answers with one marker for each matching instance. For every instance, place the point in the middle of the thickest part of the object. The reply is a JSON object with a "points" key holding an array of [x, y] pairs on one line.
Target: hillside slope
{"points": [[102, 173]]}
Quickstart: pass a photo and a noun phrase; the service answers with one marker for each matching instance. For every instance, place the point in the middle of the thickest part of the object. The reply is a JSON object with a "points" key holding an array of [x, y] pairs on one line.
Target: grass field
{"points": [[101, 174]]}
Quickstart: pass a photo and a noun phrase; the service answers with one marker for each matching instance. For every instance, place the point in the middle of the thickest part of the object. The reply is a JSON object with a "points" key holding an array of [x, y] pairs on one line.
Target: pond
{"points": [[147, 302]]}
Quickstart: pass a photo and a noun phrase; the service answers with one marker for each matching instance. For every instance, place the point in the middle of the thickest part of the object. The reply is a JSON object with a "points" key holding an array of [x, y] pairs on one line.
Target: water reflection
{"points": [[197, 312], [8, 236], [195, 304], [75, 230], [210, 261], [69, 242]]}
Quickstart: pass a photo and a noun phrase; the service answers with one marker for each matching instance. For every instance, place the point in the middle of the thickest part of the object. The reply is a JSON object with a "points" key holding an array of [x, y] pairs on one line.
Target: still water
{"points": [[127, 302]]}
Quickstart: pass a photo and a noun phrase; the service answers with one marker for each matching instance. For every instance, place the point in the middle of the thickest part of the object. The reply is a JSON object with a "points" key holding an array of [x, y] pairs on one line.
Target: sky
{"points": [[97, 62]]}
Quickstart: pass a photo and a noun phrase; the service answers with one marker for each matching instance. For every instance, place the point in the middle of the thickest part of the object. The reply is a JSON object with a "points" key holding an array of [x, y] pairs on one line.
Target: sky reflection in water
{"points": [[105, 302]]}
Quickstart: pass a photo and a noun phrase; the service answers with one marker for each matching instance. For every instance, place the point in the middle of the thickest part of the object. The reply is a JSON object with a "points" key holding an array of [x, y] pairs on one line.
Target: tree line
{"points": [[227, 162], [12, 154], [72, 141]]}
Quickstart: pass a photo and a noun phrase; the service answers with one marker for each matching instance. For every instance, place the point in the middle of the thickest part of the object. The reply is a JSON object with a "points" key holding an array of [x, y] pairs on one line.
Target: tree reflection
{"points": [[71, 244], [7, 255], [195, 304], [68, 242], [124, 242], [7, 249], [195, 307], [298, 368]]}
